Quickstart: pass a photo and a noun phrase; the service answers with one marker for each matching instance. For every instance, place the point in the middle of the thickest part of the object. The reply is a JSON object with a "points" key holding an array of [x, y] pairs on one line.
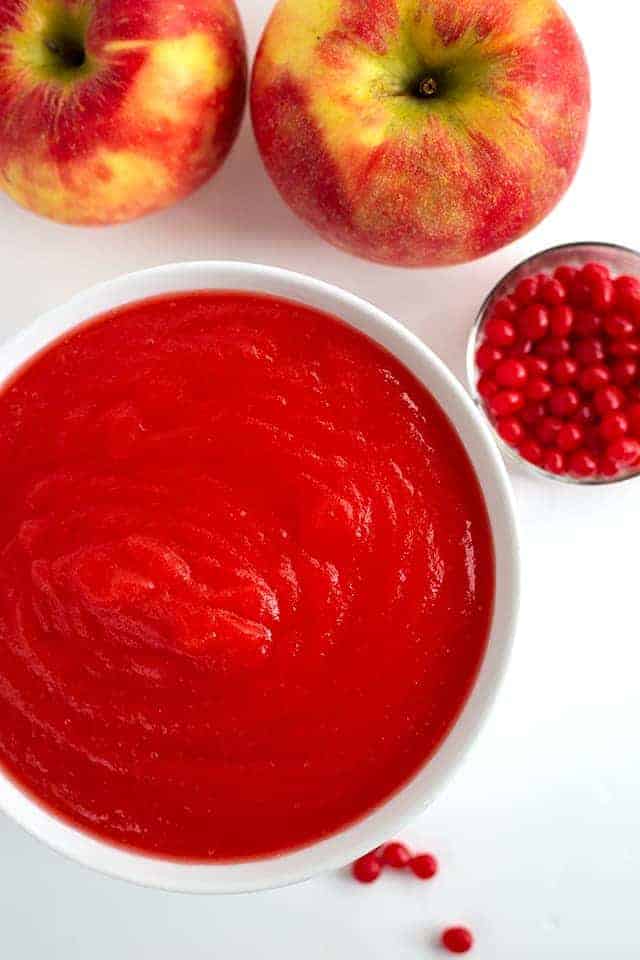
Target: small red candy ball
{"points": [[608, 400], [564, 371], [592, 440], [583, 464], [547, 430], [533, 412], [565, 274], [608, 468], [424, 866], [614, 426], [499, 332], [457, 940], [521, 349], [487, 356], [554, 347], [624, 372], [553, 293], [589, 351], [395, 855], [511, 373], [505, 309], [564, 401], [619, 326], [487, 387], [532, 451], [592, 378], [511, 430], [526, 291], [367, 869], [625, 452], [554, 462], [537, 366], [534, 321], [633, 418], [587, 323], [506, 402], [603, 295], [561, 321], [628, 293], [585, 415], [592, 272], [570, 437], [538, 390], [580, 293], [625, 349]]}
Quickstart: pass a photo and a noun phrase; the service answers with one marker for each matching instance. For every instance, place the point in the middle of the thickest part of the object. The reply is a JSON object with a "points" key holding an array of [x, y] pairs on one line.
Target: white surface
{"points": [[408, 803], [539, 835]]}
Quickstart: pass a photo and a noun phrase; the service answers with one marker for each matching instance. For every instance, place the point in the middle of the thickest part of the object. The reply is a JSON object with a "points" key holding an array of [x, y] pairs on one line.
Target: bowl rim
{"points": [[414, 796], [472, 371]]}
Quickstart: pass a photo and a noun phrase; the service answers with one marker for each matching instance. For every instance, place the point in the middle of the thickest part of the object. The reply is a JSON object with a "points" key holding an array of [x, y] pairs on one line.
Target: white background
{"points": [[539, 835]]}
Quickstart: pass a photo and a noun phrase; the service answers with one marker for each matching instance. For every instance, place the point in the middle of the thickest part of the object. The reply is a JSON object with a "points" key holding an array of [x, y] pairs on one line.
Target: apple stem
{"points": [[428, 87]]}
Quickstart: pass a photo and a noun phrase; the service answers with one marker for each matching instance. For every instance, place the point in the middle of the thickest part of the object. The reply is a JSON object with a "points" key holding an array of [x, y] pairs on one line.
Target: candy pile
{"points": [[396, 855], [424, 866], [558, 367]]}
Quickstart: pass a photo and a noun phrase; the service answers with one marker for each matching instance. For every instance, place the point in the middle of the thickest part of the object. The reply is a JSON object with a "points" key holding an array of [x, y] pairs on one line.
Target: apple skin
{"points": [[398, 178], [147, 117]]}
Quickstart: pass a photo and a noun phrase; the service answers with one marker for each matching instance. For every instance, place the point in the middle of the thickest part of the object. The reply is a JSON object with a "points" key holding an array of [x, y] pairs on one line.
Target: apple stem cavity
{"points": [[430, 84], [70, 52]]}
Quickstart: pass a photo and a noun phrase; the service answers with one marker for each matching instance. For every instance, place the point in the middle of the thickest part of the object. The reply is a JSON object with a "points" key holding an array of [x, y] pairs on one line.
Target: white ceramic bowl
{"points": [[413, 798]]}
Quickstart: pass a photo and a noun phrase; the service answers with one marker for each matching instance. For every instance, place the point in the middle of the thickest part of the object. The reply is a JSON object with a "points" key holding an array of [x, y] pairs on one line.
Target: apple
{"points": [[110, 109], [420, 132]]}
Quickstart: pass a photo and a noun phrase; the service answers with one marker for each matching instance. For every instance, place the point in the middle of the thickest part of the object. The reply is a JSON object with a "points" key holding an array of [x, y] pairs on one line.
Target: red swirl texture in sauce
{"points": [[246, 576]]}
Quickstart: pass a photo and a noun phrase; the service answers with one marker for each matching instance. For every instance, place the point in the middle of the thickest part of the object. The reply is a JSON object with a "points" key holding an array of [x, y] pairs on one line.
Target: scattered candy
{"points": [[424, 865], [395, 855], [457, 940], [559, 371], [368, 868], [398, 856]]}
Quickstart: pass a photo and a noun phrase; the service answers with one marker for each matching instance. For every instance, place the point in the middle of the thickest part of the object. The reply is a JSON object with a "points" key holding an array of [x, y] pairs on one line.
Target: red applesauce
{"points": [[246, 576]]}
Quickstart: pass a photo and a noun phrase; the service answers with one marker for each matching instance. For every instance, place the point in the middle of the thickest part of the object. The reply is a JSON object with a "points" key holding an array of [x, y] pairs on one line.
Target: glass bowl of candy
{"points": [[554, 363]]}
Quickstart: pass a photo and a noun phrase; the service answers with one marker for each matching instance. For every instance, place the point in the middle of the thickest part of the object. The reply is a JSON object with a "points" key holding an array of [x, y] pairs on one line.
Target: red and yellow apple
{"points": [[110, 109], [420, 132]]}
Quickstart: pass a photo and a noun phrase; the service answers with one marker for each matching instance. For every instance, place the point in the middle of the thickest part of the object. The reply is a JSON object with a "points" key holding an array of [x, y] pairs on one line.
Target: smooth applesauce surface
{"points": [[246, 576]]}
